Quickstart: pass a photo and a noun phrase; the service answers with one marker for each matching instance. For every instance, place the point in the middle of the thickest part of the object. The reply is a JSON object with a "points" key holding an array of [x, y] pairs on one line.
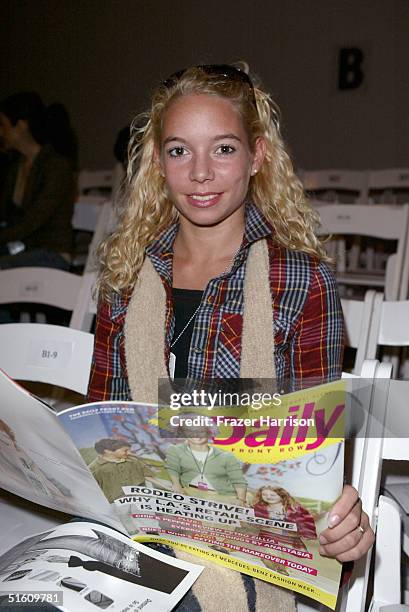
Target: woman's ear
{"points": [[260, 149]]}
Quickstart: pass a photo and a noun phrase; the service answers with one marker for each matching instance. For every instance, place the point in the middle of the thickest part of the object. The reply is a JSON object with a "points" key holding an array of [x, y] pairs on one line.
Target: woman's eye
{"points": [[225, 149], [177, 152]]}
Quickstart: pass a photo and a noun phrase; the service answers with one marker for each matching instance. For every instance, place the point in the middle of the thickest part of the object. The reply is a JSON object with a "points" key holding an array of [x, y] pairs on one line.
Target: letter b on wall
{"points": [[350, 74]]}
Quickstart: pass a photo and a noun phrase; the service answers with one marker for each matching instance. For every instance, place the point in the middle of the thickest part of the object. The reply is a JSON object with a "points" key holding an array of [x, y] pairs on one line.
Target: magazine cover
{"points": [[86, 566], [247, 488], [39, 461]]}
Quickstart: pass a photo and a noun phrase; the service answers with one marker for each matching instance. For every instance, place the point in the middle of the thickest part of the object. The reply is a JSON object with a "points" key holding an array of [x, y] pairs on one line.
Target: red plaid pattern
{"points": [[308, 322]]}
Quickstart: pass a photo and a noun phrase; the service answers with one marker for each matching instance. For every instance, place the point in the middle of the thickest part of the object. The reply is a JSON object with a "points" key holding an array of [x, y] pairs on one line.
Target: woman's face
{"points": [[206, 159], [270, 497], [7, 132]]}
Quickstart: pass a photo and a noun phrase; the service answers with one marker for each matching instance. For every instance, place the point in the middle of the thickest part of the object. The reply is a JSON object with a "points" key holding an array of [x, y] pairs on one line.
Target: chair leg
{"points": [[387, 580]]}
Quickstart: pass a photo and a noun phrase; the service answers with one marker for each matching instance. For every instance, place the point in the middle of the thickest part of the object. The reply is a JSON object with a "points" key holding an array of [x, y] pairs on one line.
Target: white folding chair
{"points": [[359, 317], [45, 286], [386, 438], [50, 287], [388, 186], [336, 185], [364, 392], [395, 448], [85, 308], [87, 209], [385, 403], [389, 328], [105, 225], [39, 286], [96, 181], [383, 223], [89, 212], [50, 354]]}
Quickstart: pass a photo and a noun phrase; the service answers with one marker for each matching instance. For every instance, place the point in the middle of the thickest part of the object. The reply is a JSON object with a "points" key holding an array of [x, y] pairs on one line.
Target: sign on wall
{"points": [[350, 68]]}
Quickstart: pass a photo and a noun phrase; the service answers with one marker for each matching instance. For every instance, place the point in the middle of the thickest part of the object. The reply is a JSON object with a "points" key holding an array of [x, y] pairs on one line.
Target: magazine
{"points": [[246, 487], [77, 565], [86, 566]]}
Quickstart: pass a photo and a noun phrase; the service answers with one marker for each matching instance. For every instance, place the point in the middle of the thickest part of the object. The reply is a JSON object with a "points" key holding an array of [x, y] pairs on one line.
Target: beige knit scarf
{"points": [[217, 587], [145, 327]]}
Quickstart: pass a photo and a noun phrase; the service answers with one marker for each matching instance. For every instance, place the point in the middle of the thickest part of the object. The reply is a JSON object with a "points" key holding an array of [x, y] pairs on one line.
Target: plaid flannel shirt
{"points": [[307, 319]]}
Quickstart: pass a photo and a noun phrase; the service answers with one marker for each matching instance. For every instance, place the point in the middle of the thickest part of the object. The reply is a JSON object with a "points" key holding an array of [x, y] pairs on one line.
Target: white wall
{"points": [[102, 58]]}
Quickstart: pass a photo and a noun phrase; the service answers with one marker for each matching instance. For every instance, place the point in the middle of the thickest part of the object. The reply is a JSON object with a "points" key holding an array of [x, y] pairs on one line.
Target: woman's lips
{"points": [[203, 200]]}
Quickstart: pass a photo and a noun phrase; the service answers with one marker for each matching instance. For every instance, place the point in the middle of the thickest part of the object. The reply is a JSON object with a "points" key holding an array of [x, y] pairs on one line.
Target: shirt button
{"points": [[197, 350]]}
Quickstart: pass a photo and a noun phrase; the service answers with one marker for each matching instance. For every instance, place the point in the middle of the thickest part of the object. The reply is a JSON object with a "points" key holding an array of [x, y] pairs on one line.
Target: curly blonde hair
{"points": [[147, 209], [286, 499]]}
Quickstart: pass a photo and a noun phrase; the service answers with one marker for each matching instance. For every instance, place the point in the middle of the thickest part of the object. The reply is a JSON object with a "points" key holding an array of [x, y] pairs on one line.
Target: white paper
{"points": [[96, 567], [39, 461]]}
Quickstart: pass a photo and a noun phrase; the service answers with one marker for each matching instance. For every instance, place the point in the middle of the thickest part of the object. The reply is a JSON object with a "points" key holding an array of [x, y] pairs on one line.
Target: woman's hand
{"points": [[348, 536]]}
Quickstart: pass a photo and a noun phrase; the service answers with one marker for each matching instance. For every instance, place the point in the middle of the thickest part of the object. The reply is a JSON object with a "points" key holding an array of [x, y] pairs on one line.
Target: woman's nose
{"points": [[201, 169]]}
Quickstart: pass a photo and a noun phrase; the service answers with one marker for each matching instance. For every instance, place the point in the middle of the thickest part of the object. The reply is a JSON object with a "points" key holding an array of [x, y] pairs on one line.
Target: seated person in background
{"points": [[36, 204], [215, 216]]}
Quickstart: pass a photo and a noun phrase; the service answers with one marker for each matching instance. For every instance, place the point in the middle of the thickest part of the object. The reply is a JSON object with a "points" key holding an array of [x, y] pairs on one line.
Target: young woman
{"points": [[215, 272], [276, 502]]}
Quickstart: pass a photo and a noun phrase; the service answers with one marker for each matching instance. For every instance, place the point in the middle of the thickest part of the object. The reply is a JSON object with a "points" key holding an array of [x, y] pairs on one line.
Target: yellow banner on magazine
{"points": [[256, 571], [301, 422]]}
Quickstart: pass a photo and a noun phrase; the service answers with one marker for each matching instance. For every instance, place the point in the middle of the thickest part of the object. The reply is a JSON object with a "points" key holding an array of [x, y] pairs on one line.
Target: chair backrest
{"points": [[336, 185], [51, 287], [96, 215], [97, 181], [85, 307], [389, 327], [389, 185], [86, 212], [393, 327], [367, 463], [383, 222], [105, 225], [359, 316], [46, 353], [40, 286]]}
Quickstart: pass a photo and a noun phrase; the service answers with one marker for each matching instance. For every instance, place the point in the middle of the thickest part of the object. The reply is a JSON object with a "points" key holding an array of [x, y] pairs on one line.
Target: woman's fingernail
{"points": [[333, 520], [323, 540], [321, 551]]}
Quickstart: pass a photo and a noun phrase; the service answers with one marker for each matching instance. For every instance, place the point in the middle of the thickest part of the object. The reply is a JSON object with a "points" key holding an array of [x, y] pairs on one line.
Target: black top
{"points": [[43, 221], [185, 302]]}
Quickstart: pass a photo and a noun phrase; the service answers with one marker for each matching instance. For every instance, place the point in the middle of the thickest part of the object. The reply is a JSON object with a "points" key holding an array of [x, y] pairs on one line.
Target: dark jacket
{"points": [[44, 218]]}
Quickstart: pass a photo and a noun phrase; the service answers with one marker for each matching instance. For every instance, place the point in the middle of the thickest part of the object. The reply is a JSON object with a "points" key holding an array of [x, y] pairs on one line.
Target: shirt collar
{"points": [[160, 252], [256, 225], [104, 460]]}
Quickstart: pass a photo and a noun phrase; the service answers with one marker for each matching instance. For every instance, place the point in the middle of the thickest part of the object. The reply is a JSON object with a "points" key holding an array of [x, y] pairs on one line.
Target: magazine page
{"points": [[39, 461], [19, 518], [249, 489], [86, 566]]}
